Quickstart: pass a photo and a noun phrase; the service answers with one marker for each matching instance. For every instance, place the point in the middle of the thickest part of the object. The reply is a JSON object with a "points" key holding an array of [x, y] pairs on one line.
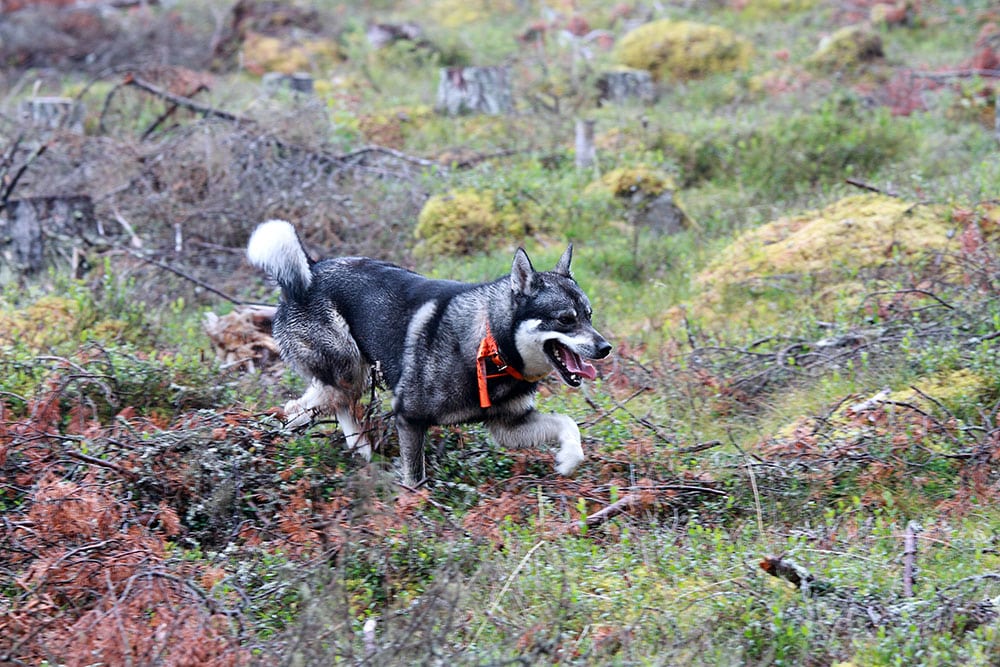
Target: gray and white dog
{"points": [[451, 352]]}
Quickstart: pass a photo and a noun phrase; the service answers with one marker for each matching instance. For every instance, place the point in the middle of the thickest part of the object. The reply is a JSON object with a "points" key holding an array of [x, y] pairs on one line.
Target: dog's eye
{"points": [[567, 318]]}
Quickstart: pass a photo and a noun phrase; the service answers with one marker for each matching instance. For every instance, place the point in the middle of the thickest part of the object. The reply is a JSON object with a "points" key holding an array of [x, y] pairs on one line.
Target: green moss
{"points": [[776, 8], [627, 181], [821, 251], [847, 49], [683, 49], [468, 221]]}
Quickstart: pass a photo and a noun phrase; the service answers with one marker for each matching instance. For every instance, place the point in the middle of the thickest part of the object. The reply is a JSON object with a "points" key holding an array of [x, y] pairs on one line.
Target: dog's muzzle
{"points": [[572, 367]]}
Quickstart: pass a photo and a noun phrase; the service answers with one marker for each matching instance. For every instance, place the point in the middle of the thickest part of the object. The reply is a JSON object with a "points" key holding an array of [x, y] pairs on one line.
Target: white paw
{"points": [[364, 450], [568, 458], [296, 416]]}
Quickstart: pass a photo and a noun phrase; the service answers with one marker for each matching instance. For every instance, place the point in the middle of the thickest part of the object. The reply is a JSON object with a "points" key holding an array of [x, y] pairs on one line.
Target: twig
{"points": [[871, 188], [909, 558], [507, 584], [186, 276]]}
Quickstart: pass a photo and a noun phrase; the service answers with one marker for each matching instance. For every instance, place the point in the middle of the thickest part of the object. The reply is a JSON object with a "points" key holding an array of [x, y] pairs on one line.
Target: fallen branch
{"points": [[178, 100], [620, 506], [958, 74]]}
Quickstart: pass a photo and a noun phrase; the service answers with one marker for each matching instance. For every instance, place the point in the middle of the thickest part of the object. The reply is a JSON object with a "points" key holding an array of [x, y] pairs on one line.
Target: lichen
{"points": [[467, 221], [683, 49]]}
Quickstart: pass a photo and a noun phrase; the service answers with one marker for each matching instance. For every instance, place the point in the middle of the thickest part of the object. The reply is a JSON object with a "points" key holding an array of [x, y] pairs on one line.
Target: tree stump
{"points": [[54, 113], [626, 85], [474, 90], [586, 153], [36, 232]]}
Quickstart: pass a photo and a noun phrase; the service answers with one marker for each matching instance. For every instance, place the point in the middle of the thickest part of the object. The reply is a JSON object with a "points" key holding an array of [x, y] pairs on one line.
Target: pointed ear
{"points": [[521, 273], [562, 268]]}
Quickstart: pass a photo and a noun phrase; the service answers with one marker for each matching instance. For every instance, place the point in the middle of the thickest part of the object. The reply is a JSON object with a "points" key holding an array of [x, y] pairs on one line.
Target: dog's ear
{"points": [[521, 273], [562, 268]]}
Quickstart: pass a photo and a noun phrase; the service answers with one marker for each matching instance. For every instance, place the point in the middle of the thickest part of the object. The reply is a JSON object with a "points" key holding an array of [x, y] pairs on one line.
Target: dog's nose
{"points": [[603, 349]]}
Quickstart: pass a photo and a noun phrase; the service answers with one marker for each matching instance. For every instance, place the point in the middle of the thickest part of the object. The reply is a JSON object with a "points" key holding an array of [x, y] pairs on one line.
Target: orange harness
{"points": [[490, 351]]}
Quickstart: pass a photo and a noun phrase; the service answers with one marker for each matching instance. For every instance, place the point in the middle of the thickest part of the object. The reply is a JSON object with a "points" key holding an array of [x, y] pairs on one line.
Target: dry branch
{"points": [[622, 505], [180, 101]]}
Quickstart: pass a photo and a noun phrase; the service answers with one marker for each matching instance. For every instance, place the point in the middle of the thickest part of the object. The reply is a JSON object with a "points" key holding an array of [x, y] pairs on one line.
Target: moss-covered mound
{"points": [[820, 252], [847, 49], [468, 221], [626, 182], [683, 49]]}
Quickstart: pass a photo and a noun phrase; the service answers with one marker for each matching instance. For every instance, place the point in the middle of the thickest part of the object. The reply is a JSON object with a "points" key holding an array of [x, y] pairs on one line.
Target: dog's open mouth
{"points": [[571, 366]]}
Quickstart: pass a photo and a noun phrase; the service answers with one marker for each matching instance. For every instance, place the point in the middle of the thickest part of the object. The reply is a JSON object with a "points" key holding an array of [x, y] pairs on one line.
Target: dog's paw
{"points": [[568, 458], [296, 416]]}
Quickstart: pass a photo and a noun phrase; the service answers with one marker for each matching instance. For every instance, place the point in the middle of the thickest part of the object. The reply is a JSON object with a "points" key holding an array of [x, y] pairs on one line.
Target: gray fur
{"points": [[339, 317]]}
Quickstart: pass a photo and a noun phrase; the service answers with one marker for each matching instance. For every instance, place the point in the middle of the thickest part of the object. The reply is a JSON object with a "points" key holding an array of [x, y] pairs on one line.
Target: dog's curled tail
{"points": [[275, 247]]}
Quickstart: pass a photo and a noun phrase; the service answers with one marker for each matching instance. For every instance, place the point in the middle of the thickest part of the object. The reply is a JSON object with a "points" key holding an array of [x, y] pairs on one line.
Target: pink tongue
{"points": [[577, 365]]}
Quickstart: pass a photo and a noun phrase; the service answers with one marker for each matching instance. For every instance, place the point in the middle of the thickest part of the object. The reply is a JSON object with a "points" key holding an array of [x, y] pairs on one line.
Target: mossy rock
{"points": [[824, 250], [463, 222], [683, 49], [847, 49]]}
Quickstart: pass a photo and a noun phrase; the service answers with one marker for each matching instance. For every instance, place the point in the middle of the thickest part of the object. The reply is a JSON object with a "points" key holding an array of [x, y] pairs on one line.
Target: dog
{"points": [[450, 352]]}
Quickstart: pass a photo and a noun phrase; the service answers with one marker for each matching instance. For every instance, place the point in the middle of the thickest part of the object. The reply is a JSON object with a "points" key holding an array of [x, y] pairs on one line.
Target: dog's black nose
{"points": [[603, 349]]}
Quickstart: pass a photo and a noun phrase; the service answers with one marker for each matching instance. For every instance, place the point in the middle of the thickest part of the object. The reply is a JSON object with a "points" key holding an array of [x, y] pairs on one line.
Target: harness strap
{"points": [[489, 351]]}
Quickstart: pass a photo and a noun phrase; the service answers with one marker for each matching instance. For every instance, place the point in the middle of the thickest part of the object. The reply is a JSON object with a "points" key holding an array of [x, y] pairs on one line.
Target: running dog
{"points": [[451, 352]]}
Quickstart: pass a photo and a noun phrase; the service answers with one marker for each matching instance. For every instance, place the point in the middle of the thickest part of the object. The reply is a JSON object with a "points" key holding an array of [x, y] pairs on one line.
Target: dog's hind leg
{"points": [[350, 418], [322, 399], [314, 403], [536, 428], [411, 450]]}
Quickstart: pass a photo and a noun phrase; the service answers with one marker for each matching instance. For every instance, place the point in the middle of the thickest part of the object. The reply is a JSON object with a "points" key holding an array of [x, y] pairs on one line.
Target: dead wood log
{"points": [[243, 339]]}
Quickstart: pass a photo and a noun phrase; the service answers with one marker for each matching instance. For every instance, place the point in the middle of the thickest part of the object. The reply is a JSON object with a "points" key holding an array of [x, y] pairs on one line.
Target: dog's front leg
{"points": [[534, 429], [411, 449]]}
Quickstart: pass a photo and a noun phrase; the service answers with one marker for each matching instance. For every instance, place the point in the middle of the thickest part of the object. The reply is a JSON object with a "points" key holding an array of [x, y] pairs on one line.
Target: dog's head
{"points": [[552, 322]]}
